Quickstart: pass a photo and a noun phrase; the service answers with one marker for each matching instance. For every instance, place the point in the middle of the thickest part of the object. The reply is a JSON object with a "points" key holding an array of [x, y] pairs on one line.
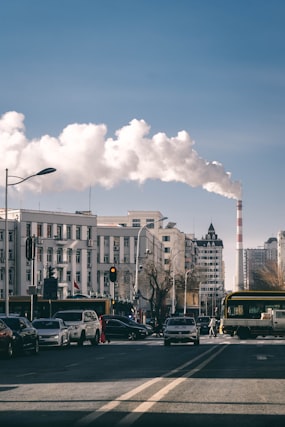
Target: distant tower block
{"points": [[239, 282]]}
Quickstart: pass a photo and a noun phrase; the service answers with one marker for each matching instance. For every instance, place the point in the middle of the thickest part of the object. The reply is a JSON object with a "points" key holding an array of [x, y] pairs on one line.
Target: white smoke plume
{"points": [[84, 157]]}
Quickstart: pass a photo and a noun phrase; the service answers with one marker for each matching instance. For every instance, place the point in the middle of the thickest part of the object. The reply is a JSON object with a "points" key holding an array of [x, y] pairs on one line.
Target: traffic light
{"points": [[51, 272], [113, 274], [30, 248]]}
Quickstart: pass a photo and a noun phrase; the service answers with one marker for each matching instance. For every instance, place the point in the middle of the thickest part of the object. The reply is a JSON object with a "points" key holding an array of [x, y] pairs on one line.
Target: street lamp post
{"points": [[185, 291], [173, 283], [42, 172], [136, 287]]}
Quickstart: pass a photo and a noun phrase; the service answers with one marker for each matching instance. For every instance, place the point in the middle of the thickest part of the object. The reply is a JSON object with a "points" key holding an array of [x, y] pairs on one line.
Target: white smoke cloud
{"points": [[84, 157]]}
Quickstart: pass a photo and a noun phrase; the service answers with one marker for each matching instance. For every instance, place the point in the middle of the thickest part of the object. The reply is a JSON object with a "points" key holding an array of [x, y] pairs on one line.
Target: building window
{"points": [[150, 222], [59, 231], [78, 256], [89, 258], [68, 232], [78, 232], [28, 229], [167, 250], [28, 275], [126, 242], [89, 279], [78, 277], [89, 233], [1, 235], [136, 222], [59, 256], [49, 255], [39, 230], [10, 236], [49, 231], [40, 254], [69, 255], [68, 276], [166, 238]]}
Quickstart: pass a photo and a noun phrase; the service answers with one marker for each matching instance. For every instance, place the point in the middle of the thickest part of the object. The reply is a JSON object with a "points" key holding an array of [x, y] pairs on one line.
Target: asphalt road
{"points": [[223, 382]]}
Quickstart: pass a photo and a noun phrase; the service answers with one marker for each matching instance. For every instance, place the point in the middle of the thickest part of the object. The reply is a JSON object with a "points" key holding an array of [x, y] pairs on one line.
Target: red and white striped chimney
{"points": [[239, 282]]}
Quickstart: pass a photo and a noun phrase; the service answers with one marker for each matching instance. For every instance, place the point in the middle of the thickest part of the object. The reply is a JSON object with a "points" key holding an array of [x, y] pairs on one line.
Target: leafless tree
{"points": [[267, 277]]}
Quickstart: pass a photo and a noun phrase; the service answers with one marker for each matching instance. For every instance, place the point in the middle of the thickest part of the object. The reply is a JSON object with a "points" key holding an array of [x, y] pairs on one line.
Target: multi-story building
{"points": [[82, 247], [281, 254], [256, 258], [63, 241], [80, 252], [209, 260]]}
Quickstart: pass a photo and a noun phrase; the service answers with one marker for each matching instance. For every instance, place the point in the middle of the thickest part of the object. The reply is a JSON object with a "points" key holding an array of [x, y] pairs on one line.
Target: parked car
{"points": [[52, 332], [181, 330], [115, 328], [6, 340], [84, 325], [203, 324], [25, 336], [129, 321]]}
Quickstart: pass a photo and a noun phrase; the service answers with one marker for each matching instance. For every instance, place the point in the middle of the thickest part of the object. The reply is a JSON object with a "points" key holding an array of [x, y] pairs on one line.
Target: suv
{"points": [[203, 324], [84, 325], [181, 330]]}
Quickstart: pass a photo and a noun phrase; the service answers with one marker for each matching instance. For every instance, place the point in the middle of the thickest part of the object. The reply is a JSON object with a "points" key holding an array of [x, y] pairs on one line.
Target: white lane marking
{"points": [[147, 405], [127, 396]]}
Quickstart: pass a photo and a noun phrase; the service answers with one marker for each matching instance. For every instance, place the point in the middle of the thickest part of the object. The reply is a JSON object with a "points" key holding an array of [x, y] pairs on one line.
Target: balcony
{"points": [[60, 240]]}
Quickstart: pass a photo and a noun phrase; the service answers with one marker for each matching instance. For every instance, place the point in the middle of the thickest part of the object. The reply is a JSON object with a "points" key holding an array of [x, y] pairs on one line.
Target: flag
{"points": [[75, 285]]}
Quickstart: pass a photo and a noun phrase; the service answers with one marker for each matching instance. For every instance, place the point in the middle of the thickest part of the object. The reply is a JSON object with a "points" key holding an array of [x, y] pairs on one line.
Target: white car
{"points": [[84, 325], [52, 332], [181, 330]]}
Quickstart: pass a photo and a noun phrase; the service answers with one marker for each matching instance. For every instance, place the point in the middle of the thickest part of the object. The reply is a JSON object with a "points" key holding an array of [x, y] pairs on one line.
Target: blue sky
{"points": [[137, 74]]}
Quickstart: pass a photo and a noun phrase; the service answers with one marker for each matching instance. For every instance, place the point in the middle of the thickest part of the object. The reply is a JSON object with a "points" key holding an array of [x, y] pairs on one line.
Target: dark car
{"points": [[129, 321], [6, 340], [25, 336], [203, 324], [115, 328]]}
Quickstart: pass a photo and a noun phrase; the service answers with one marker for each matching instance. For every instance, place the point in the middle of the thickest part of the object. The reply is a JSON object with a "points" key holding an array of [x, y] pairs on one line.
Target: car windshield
{"points": [[203, 319], [46, 324], [180, 322], [69, 316], [13, 323]]}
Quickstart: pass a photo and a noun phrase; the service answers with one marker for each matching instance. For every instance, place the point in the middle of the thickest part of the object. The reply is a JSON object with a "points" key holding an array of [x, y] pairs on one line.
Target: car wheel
{"points": [[82, 339], [96, 339], [131, 336], [36, 348], [10, 351], [196, 342]]}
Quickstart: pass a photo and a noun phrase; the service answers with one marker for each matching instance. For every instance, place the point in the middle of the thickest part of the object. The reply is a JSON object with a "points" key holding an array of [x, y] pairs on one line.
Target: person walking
{"points": [[212, 326], [104, 336]]}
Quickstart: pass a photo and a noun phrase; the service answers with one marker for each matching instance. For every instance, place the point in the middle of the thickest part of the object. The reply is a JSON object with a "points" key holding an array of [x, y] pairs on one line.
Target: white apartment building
{"points": [[281, 253], [81, 247], [80, 252], [63, 241], [209, 258]]}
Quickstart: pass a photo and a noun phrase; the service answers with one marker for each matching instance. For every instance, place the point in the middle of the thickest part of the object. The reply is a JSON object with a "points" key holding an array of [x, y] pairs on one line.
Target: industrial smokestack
{"points": [[239, 282]]}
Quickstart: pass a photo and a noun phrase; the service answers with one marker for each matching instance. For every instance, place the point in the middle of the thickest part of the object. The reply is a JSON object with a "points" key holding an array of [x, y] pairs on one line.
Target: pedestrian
{"points": [[212, 326], [103, 337]]}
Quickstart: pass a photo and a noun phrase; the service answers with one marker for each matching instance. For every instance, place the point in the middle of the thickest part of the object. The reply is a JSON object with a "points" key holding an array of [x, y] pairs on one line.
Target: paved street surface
{"points": [[222, 382]]}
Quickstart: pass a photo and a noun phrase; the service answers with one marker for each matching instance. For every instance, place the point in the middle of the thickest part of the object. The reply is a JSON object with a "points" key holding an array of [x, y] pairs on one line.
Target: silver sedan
{"points": [[52, 332]]}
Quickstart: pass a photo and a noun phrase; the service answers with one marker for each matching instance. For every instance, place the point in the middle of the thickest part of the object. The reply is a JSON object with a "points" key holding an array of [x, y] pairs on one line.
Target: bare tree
{"points": [[155, 291], [267, 277]]}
